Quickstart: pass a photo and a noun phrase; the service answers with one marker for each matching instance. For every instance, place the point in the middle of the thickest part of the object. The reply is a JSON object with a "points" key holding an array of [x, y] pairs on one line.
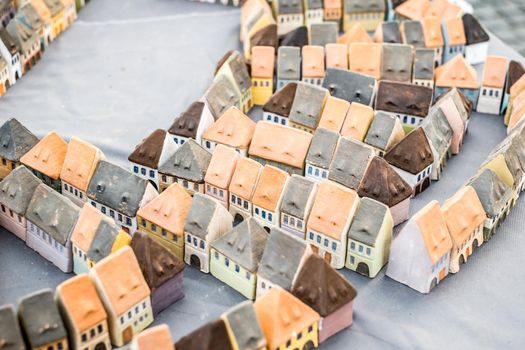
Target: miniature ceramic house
{"points": [[307, 107], [323, 33], [412, 34], [267, 196], [220, 172], [221, 95], [320, 154], [313, 12], [423, 71], [332, 212], [350, 162], [7, 11], [288, 65], [439, 134], [420, 253], [285, 319], [187, 167], [213, 335], [313, 64], [296, 204], [333, 10], [83, 313], [242, 186], [256, 15], [108, 238], [243, 327], [232, 66], [388, 32], [263, 63], [281, 146], [289, 15], [491, 93], [37, 16], [433, 35], [357, 122], [46, 158], [56, 8], [334, 114], [236, 256], [356, 34], [452, 106], [412, 9], [382, 183], [385, 131], [27, 41], [10, 53], [297, 37], [397, 61], [477, 40], [44, 13], [283, 257], [267, 36], [41, 322], [365, 58], [233, 129], [191, 123], [119, 194], [158, 337], [126, 297], [10, 333], [515, 93], [368, 13], [336, 56], [206, 222], [350, 86], [278, 107], [328, 293], [455, 39], [514, 73]]}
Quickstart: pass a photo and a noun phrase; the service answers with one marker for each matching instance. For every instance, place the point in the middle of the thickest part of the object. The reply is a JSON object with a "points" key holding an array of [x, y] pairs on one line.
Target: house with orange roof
{"points": [[79, 166], [125, 296], [84, 315], [365, 58], [357, 121], [278, 107], [263, 64], [333, 10], [433, 35], [242, 187], [356, 34], [491, 93], [46, 158], [329, 220], [158, 338], [45, 14], [334, 114], [460, 74], [368, 13], [313, 64], [412, 10], [420, 253], [233, 129], [455, 39], [336, 56], [219, 174], [465, 217], [287, 323]]}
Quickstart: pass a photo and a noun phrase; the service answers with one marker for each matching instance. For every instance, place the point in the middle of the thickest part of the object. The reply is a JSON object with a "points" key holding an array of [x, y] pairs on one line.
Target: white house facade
{"points": [[129, 224], [13, 222], [44, 244], [316, 173], [275, 118], [333, 251], [76, 195], [489, 100], [476, 53]]}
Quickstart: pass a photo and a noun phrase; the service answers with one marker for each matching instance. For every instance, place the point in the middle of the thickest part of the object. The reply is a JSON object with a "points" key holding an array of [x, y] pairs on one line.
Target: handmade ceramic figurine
{"points": [[439, 135], [288, 66], [333, 11], [280, 146], [289, 15], [108, 238], [191, 123], [221, 95], [307, 107], [11, 55], [412, 34], [455, 39], [233, 67], [324, 33], [365, 58], [420, 253], [504, 160], [356, 34], [460, 74], [332, 212], [313, 64], [220, 172], [206, 222], [368, 13], [4, 77], [187, 167], [328, 293], [41, 322], [491, 94], [10, 333], [350, 162], [158, 338], [434, 38], [119, 194], [126, 297], [477, 40], [336, 56], [412, 10], [263, 64], [242, 187], [268, 195], [27, 41], [213, 335], [453, 108], [83, 313], [357, 121], [233, 129], [515, 97], [350, 86], [384, 132], [277, 108], [296, 204], [56, 8], [297, 38], [388, 32], [397, 62], [256, 15], [44, 13], [423, 70], [514, 73], [320, 154], [243, 327], [286, 321], [266, 36], [334, 114], [313, 12], [235, 256]]}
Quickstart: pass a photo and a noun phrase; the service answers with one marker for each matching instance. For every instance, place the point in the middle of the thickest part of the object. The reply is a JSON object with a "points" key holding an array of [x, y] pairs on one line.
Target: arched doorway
{"points": [[17, 76], [475, 245], [363, 269], [195, 261], [461, 259], [101, 346], [433, 283], [309, 345], [267, 229], [425, 184], [237, 219]]}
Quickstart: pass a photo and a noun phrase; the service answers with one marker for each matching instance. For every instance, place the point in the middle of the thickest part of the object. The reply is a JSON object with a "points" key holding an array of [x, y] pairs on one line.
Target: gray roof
{"points": [[53, 213], [117, 188], [239, 71], [512, 155], [322, 148], [289, 63], [221, 96], [424, 64], [296, 195], [314, 4], [367, 221], [15, 140], [308, 105], [23, 35], [200, 215], [39, 316], [350, 162], [413, 34], [437, 130], [189, 162], [10, 333], [349, 86], [380, 130], [397, 62], [290, 6], [244, 244], [323, 33], [492, 192], [17, 188], [391, 32], [30, 16], [103, 240], [245, 327], [351, 6], [281, 258]]}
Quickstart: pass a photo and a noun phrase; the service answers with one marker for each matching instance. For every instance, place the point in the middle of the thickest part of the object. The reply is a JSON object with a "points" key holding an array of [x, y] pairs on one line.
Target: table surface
{"points": [[127, 67]]}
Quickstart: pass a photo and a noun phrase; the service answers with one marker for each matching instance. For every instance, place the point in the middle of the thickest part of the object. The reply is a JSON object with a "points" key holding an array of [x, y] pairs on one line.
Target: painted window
{"points": [[352, 259], [318, 239], [103, 210], [153, 227], [311, 236], [300, 224], [151, 174], [263, 214], [188, 238], [143, 171], [237, 268], [368, 251], [128, 221], [111, 213], [257, 211], [194, 241], [334, 246], [227, 261], [326, 242], [165, 233], [270, 218], [136, 169], [309, 170], [246, 205], [202, 245], [360, 248], [233, 198], [216, 254], [352, 245]]}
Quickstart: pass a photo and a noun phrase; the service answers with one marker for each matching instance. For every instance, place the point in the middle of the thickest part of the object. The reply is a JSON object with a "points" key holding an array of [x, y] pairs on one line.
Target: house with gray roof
{"points": [[243, 326], [27, 41], [289, 15], [10, 332], [103, 241], [207, 221], [388, 33], [298, 198], [235, 257], [288, 65], [221, 95], [412, 34], [397, 62], [369, 13], [313, 12], [233, 67], [278, 107], [323, 33], [384, 132], [423, 70], [15, 141], [320, 154], [307, 106], [439, 135], [350, 162], [32, 19], [297, 37], [350, 86]]}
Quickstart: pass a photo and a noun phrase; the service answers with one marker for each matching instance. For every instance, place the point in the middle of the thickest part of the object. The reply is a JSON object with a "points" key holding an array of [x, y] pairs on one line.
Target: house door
{"points": [[315, 249], [363, 269], [126, 229], [195, 261], [237, 219], [309, 346], [127, 335], [328, 257], [100, 346], [425, 183]]}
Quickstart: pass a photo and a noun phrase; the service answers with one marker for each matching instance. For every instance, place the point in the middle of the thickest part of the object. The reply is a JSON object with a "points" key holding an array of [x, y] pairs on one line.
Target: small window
{"points": [[326, 242], [129, 314], [164, 232], [317, 172], [246, 205], [248, 275], [143, 171], [203, 245], [311, 236], [275, 119], [352, 259], [257, 211], [300, 224], [194, 241], [288, 343], [285, 219], [103, 210], [239, 201], [352, 245], [65, 187], [270, 217], [208, 144], [309, 170], [237, 268], [120, 217], [100, 328], [283, 121], [310, 329], [188, 238], [128, 221], [360, 248], [92, 332], [215, 191], [263, 214], [143, 222], [318, 239], [334, 246], [227, 261], [221, 193], [152, 174], [112, 213], [84, 337], [233, 198], [153, 227], [216, 255]]}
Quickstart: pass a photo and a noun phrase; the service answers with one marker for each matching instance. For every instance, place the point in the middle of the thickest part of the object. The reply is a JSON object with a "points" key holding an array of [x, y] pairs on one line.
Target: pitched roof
{"points": [[289, 63], [313, 63], [412, 33], [263, 61], [437, 130], [222, 166], [432, 33], [281, 101], [336, 55], [189, 162], [149, 150], [455, 32], [357, 122], [514, 73], [517, 87], [233, 61], [17, 188], [10, 333], [200, 216], [308, 104], [188, 121], [220, 96], [245, 178], [356, 34], [368, 221], [397, 62], [349, 86], [158, 338], [365, 58], [30, 16], [297, 195], [289, 6], [322, 148], [495, 71], [424, 64], [443, 10], [474, 30], [413, 9], [297, 37], [244, 326], [350, 162], [389, 32], [24, 36], [213, 335], [80, 163], [103, 240], [323, 33], [233, 128], [47, 156], [352, 6], [55, 6], [266, 36], [404, 98], [412, 153], [492, 192], [334, 113], [86, 227], [314, 4], [269, 187], [383, 129], [8, 41], [42, 9]]}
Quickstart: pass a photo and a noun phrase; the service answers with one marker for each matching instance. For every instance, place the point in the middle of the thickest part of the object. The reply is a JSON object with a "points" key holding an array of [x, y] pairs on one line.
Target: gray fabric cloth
{"points": [[127, 66]]}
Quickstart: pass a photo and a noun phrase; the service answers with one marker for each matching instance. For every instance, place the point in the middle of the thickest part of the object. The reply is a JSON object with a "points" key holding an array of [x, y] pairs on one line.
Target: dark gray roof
{"points": [[314, 4], [103, 240], [289, 63], [437, 130], [281, 258], [351, 6], [391, 32], [239, 71], [200, 215], [17, 188], [349, 86], [424, 64], [221, 96], [492, 192], [10, 333], [323, 33], [322, 148], [367, 221], [381, 130], [189, 162], [308, 104], [350, 162], [296, 195], [244, 244], [53, 213], [117, 188], [474, 31], [15, 140], [245, 327], [39, 317], [413, 34], [397, 61], [290, 6]]}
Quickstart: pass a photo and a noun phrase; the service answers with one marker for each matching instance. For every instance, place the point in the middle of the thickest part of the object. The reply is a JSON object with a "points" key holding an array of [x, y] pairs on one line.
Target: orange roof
{"points": [[86, 227], [332, 4], [516, 116], [280, 144], [518, 86], [42, 10], [358, 120], [47, 156], [336, 56], [334, 114], [432, 33], [263, 61], [434, 230], [463, 213], [436, 9], [313, 61], [333, 206], [457, 73], [80, 163], [356, 34], [455, 31], [281, 315], [222, 165], [413, 9], [233, 128], [245, 178], [365, 58], [158, 338], [451, 11], [495, 71], [519, 100], [269, 187], [122, 290], [81, 302], [169, 209]]}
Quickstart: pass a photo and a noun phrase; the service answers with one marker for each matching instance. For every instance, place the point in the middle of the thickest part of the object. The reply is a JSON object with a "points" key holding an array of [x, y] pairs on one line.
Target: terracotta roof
{"points": [[313, 61], [334, 113], [357, 121], [474, 30], [47, 156], [42, 9], [443, 10], [121, 290], [222, 165], [269, 188], [455, 32], [80, 163], [187, 123], [211, 336], [86, 226], [412, 153], [334, 4], [413, 9], [336, 56], [404, 98], [233, 128], [281, 101], [432, 33], [434, 230], [81, 302], [158, 338], [245, 178], [518, 86], [457, 73], [495, 71], [263, 61], [365, 58], [356, 34]]}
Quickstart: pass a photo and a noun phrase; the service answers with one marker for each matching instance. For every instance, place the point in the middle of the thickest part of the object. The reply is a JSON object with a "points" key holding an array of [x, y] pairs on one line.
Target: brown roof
{"points": [[267, 36], [263, 61], [86, 226], [222, 165], [334, 113], [495, 71], [366, 58], [432, 33], [515, 72], [158, 338], [148, 151], [47, 156], [187, 123], [434, 230], [233, 128], [356, 34], [245, 178], [412, 153], [413, 9], [457, 73], [358, 120], [80, 163], [281, 101], [404, 98], [269, 187]]}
